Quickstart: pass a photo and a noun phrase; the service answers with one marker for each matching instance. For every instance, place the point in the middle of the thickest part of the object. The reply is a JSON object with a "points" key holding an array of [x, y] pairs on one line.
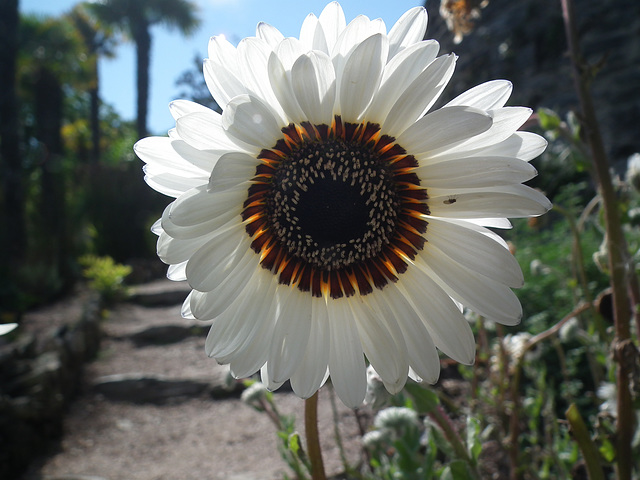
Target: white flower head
{"points": [[329, 215], [254, 394], [633, 171]]}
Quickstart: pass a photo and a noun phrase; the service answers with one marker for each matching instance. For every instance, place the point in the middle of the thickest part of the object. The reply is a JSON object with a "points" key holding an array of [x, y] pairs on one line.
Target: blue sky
{"points": [[172, 54]]}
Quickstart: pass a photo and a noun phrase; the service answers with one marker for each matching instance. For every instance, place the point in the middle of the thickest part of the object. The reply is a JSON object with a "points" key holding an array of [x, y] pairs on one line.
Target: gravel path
{"points": [[189, 436]]}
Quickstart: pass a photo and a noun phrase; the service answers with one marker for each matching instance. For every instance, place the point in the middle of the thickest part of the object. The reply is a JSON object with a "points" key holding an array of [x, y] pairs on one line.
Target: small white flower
{"points": [[253, 394], [375, 439], [396, 420], [328, 214], [377, 395], [633, 171], [6, 328]]}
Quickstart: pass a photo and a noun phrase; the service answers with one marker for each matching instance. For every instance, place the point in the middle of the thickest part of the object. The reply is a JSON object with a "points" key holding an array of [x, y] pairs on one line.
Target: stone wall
{"points": [[40, 373], [524, 41]]}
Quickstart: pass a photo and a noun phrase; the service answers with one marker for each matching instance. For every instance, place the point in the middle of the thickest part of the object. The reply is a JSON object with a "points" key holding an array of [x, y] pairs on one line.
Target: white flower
{"points": [[327, 215], [633, 171], [254, 394], [6, 328], [396, 420]]}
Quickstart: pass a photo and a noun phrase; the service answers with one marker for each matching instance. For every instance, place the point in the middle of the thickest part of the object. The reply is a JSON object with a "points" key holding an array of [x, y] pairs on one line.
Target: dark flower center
{"points": [[336, 209], [332, 204]]}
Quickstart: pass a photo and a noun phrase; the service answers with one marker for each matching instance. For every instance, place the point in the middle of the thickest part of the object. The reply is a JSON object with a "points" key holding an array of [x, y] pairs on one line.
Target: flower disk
{"points": [[334, 210], [329, 218]]}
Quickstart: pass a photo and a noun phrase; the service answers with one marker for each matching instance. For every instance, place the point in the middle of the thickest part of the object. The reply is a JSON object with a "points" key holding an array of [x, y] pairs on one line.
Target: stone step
{"points": [[159, 293], [167, 334], [141, 388]]}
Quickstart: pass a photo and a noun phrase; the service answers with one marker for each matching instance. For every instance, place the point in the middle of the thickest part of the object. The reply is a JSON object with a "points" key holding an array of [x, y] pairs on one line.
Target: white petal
{"points": [[172, 251], [160, 152], [251, 121], [221, 72], [353, 35], [409, 29], [269, 34], [490, 222], [264, 378], [252, 353], [177, 273], [203, 131], [314, 84], [205, 228], [515, 201], [443, 127], [211, 263], [171, 185], [333, 23], [421, 350], [398, 75], [475, 251], [198, 205], [232, 169], [208, 305], [312, 35], [180, 108], [361, 77], [383, 344], [254, 54], [240, 322], [283, 90], [476, 172], [311, 371], [185, 310], [505, 122], [346, 358], [486, 96], [156, 228], [449, 329], [291, 333], [482, 295], [522, 145], [418, 98]]}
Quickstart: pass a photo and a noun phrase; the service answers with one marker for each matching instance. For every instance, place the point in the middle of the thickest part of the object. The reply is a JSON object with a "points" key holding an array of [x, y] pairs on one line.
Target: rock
{"points": [[141, 388], [39, 377], [72, 477], [160, 293], [166, 334]]}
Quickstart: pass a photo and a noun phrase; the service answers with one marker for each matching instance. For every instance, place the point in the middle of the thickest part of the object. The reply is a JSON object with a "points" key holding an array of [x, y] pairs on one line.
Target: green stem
{"points": [[586, 445], [616, 245], [313, 439], [514, 421], [439, 416]]}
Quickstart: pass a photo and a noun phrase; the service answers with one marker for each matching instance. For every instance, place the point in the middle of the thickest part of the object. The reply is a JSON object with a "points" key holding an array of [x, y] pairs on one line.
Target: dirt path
{"points": [[125, 431]]}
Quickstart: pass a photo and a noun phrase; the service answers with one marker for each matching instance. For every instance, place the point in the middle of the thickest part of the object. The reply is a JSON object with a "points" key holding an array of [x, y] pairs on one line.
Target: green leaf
{"points": [[608, 450], [549, 120], [456, 470], [474, 442], [425, 400], [294, 443]]}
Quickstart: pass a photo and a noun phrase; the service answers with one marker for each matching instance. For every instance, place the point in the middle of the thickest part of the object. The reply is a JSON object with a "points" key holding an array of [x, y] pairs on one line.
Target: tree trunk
{"points": [[48, 101], [142, 38], [12, 216]]}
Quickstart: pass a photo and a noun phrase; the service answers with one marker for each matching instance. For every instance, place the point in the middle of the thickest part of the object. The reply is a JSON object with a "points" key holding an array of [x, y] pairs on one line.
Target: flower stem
{"points": [[586, 445], [313, 439], [439, 416], [616, 245]]}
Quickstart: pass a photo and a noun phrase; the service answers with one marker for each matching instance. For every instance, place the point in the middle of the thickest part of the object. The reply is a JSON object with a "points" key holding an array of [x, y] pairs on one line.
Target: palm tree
{"points": [[135, 18], [99, 41]]}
